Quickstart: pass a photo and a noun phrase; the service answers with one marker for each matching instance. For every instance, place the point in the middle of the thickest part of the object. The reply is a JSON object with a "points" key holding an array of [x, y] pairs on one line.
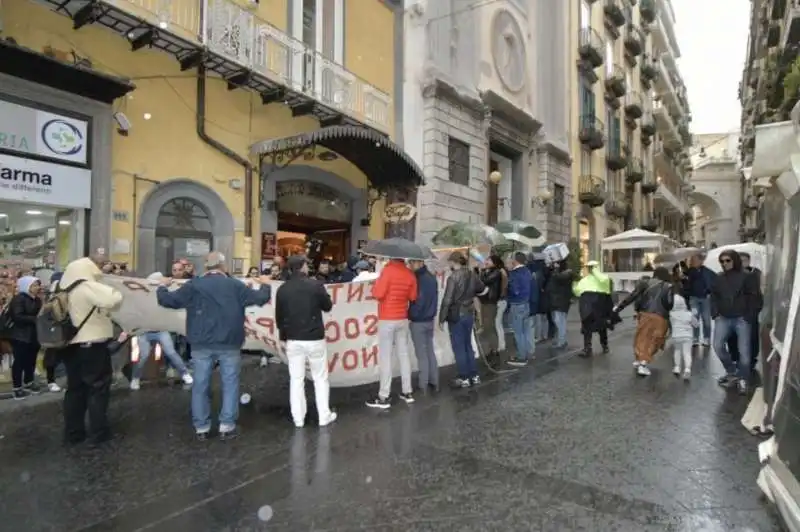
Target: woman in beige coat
{"points": [[88, 358]]}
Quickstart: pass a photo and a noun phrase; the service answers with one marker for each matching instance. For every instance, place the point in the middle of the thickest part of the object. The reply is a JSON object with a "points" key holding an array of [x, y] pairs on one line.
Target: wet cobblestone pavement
{"points": [[567, 444]]}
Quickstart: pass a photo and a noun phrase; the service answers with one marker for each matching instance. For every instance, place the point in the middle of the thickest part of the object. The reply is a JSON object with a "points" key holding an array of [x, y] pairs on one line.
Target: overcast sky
{"points": [[712, 35]]}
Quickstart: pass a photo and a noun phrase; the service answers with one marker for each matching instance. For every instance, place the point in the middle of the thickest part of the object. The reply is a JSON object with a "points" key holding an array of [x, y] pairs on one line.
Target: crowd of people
{"points": [[530, 296]]}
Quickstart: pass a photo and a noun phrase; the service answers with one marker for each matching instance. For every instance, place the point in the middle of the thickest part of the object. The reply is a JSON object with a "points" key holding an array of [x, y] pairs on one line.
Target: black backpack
{"points": [[54, 327]]}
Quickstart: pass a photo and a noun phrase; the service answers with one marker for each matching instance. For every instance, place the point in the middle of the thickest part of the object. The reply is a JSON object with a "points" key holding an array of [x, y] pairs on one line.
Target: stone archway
{"points": [[220, 219], [712, 222]]}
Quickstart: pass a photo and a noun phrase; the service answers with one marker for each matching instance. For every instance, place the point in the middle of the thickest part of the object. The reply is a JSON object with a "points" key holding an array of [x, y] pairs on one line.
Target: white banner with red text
{"points": [[351, 328]]}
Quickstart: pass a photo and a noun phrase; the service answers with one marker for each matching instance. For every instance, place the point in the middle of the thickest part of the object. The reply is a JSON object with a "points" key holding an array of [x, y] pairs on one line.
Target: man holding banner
{"points": [[215, 316]]}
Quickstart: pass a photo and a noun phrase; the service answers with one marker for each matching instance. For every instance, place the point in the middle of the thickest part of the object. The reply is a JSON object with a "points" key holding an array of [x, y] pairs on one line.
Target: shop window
{"points": [[458, 154]]}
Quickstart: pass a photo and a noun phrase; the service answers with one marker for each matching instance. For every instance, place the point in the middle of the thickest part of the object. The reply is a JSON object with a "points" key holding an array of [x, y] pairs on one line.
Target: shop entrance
{"points": [[311, 213], [183, 231]]}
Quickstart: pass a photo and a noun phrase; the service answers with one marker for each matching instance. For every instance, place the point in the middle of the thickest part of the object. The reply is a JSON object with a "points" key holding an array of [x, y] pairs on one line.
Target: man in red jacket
{"points": [[394, 289]]}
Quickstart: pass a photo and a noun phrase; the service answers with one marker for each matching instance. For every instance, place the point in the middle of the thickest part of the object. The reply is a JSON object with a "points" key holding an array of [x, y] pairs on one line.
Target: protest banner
{"points": [[351, 328]]}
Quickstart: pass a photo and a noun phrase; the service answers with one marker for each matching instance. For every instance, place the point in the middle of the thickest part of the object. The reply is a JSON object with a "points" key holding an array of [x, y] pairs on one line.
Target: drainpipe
{"points": [[226, 151]]}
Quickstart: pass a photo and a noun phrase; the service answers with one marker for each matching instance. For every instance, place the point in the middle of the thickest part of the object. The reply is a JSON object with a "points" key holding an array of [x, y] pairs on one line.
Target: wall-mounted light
{"points": [[495, 177]]}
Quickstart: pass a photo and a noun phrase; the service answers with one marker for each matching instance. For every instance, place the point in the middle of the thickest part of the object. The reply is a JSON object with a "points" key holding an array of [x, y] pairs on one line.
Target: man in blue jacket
{"points": [[421, 314], [699, 280], [215, 312], [520, 300]]}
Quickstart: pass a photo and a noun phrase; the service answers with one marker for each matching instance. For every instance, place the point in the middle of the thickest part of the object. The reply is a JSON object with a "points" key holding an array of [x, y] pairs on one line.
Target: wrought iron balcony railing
{"points": [[234, 32]]}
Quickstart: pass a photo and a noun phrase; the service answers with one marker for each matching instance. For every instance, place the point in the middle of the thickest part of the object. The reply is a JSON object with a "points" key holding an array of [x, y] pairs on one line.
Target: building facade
{"points": [[480, 98], [249, 127], [629, 118], [716, 178], [768, 92]]}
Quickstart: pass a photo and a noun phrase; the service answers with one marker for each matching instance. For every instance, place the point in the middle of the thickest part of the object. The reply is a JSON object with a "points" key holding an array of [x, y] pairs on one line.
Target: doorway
{"points": [[311, 213], [183, 231]]}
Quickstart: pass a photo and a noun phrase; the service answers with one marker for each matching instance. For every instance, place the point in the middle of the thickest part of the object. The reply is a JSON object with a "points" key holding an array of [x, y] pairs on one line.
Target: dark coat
{"points": [[24, 309], [559, 291], [492, 279], [596, 311], [299, 305]]}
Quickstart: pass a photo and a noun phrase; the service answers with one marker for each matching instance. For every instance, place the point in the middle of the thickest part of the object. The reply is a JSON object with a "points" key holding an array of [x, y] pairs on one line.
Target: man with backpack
{"points": [[85, 334]]}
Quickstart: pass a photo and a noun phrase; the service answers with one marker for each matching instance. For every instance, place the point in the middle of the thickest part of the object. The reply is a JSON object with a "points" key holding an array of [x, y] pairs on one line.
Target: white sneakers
{"points": [[322, 422], [687, 373], [135, 384], [642, 370], [53, 387], [187, 378]]}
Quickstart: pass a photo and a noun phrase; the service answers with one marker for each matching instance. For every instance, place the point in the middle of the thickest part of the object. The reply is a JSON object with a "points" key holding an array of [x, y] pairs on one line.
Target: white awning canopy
{"points": [[636, 238]]}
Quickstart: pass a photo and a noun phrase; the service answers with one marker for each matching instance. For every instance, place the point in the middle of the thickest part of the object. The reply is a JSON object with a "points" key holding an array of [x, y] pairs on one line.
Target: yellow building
{"points": [[616, 87], [177, 127]]}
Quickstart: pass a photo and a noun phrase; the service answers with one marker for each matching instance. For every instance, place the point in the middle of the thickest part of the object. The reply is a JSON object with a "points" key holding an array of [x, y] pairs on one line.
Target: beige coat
{"points": [[88, 295]]}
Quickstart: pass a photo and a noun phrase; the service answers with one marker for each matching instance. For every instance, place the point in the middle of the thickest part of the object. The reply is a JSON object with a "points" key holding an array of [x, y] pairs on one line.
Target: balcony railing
{"points": [[672, 195], [235, 33], [591, 190]]}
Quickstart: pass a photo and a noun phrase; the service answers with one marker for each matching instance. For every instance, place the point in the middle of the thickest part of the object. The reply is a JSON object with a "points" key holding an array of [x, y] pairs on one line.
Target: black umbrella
{"points": [[397, 248]]}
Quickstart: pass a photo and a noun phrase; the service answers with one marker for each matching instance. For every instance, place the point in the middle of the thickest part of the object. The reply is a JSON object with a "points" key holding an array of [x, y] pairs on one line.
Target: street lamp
{"points": [[495, 177]]}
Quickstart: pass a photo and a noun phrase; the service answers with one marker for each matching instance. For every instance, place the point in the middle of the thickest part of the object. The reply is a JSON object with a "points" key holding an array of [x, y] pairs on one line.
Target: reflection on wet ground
{"points": [[569, 444]]}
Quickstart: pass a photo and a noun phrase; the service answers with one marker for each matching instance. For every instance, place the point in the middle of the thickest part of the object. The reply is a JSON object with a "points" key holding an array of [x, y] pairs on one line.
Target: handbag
{"points": [[6, 322]]}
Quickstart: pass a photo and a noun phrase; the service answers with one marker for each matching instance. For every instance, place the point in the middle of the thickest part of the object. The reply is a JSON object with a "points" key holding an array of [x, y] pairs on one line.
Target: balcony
{"points": [[591, 190], [648, 72], [616, 86], [617, 204], [649, 183], [649, 223], [633, 105], [665, 123], [615, 16], [671, 197], [665, 88], [247, 52], [590, 48], [634, 42], [648, 125], [616, 154], [648, 10], [591, 132], [635, 171]]}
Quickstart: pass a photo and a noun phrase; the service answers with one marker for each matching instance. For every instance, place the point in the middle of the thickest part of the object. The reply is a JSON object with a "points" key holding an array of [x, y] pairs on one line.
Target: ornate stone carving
{"points": [[508, 51]]}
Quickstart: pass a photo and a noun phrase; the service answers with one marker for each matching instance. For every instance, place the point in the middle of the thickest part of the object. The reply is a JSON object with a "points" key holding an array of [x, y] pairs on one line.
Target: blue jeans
{"points": [[723, 329], [521, 326], [461, 341], [230, 365], [560, 320], [146, 341], [703, 306]]}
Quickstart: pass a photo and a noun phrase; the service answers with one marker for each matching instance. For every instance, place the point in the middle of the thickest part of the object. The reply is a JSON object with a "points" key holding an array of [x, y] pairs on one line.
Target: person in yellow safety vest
{"points": [[595, 306]]}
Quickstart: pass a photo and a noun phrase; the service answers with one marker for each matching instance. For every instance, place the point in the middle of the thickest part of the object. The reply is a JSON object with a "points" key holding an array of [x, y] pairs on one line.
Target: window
{"points": [[609, 56], [586, 14], [558, 200], [318, 24], [586, 162], [587, 103], [458, 153]]}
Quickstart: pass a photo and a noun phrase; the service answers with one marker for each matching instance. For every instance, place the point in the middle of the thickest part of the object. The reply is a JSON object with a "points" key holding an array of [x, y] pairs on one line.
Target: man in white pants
{"points": [[299, 305]]}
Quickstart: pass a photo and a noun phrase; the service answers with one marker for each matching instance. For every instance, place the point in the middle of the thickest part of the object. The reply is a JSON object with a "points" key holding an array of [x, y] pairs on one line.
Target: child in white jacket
{"points": [[683, 320]]}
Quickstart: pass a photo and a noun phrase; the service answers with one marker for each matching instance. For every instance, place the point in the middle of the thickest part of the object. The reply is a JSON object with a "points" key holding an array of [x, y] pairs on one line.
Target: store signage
{"points": [[31, 131], [399, 212], [47, 183]]}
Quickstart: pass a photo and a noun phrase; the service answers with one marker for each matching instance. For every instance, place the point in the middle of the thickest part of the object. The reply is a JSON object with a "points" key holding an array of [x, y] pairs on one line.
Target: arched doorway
{"points": [[183, 231], [303, 202], [178, 218]]}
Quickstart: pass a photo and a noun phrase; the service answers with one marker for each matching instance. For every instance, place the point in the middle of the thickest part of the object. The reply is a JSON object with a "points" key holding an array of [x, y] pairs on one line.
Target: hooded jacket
{"points": [[394, 289], [735, 293], [90, 294], [24, 308]]}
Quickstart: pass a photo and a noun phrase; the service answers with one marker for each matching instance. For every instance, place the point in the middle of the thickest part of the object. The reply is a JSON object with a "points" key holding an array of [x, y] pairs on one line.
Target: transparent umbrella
{"points": [[464, 234]]}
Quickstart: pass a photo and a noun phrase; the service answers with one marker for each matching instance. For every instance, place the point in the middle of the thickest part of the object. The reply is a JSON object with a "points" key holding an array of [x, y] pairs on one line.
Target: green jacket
{"points": [[596, 281]]}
